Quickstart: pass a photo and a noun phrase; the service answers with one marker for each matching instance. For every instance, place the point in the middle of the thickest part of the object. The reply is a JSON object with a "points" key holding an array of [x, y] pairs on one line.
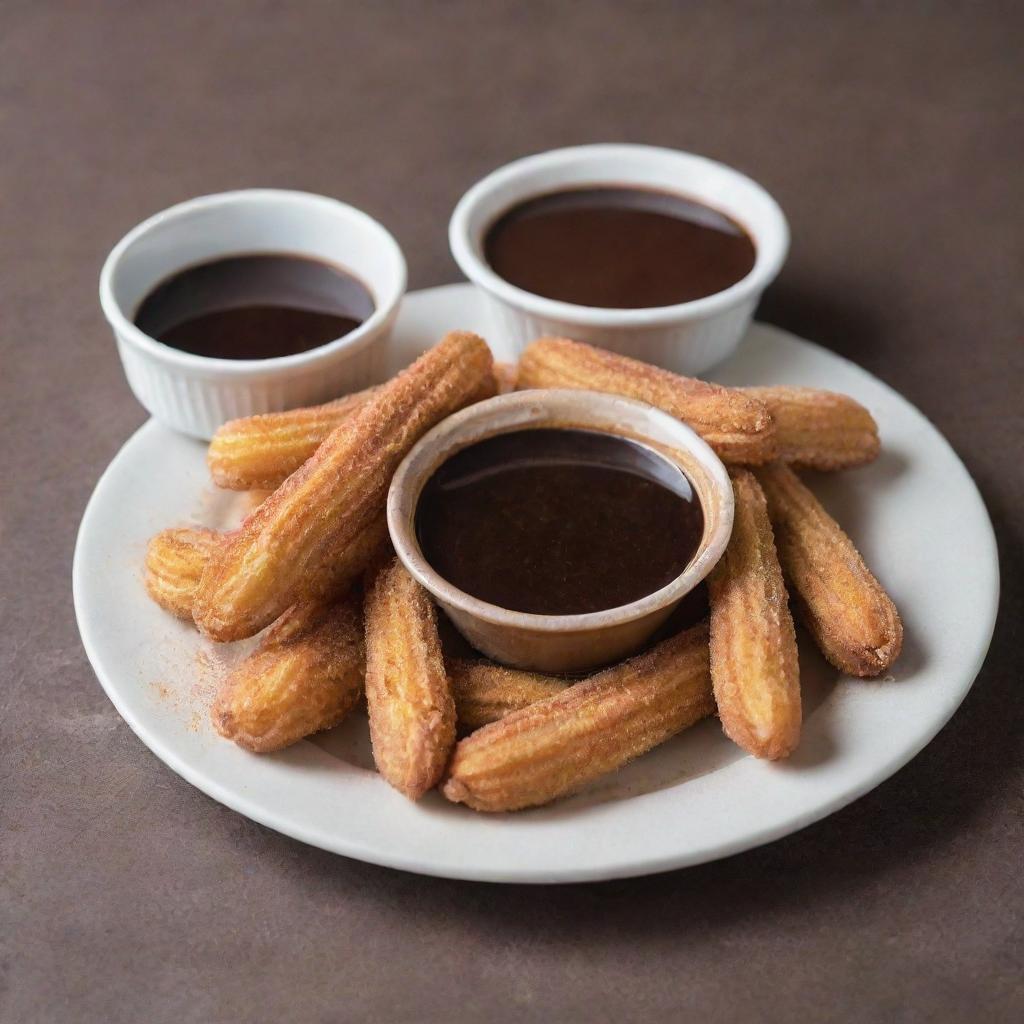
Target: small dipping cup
{"points": [[561, 643], [195, 394]]}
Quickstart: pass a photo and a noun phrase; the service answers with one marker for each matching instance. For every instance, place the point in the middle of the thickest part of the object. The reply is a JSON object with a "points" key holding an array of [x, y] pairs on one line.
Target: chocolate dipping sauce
{"points": [[254, 307], [618, 248], [558, 521]]}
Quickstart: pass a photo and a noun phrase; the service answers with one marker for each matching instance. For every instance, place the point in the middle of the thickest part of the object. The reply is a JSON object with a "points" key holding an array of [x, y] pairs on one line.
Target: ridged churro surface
{"points": [[408, 697], [305, 676], [295, 546], [852, 618], [754, 664], [175, 560], [486, 692], [263, 451], [556, 746], [819, 429], [736, 425]]}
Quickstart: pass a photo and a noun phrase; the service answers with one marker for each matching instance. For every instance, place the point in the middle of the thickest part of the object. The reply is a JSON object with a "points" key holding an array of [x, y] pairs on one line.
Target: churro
{"points": [[850, 615], [175, 560], [263, 451], [305, 676], [295, 545], [754, 664], [485, 692], [412, 714], [819, 429], [736, 425], [556, 746]]}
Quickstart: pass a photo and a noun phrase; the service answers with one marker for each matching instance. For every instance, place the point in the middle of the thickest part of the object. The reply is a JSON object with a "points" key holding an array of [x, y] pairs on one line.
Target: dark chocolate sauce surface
{"points": [[254, 307], [618, 248], [558, 521]]}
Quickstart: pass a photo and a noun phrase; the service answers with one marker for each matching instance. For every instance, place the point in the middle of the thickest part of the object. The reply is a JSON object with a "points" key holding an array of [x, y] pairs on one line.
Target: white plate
{"points": [[915, 514]]}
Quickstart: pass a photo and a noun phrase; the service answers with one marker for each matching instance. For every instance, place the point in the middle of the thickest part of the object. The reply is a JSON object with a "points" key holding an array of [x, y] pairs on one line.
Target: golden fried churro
{"points": [[753, 645], [412, 714], [737, 426], [851, 617], [175, 560], [305, 676], [556, 746], [295, 545], [263, 451], [485, 692], [819, 429]]}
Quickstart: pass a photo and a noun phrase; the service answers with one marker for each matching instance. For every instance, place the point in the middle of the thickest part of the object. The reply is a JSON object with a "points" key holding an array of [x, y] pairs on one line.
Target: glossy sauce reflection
{"points": [[558, 521], [254, 307], [618, 248]]}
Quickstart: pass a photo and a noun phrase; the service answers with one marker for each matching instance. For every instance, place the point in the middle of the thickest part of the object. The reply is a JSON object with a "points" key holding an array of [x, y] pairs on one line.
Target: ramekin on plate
{"points": [[687, 337], [196, 394], [561, 643]]}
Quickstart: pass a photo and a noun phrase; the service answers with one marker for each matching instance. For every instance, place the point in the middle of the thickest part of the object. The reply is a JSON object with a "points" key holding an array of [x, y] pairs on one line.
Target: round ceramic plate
{"points": [[695, 798]]}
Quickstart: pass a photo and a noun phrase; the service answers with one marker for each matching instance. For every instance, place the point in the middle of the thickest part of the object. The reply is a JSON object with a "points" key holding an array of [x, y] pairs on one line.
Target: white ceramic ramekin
{"points": [[195, 394], [686, 338], [561, 643]]}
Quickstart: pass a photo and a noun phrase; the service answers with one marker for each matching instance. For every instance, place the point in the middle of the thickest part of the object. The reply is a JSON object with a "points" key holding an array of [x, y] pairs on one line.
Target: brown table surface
{"points": [[892, 138]]}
